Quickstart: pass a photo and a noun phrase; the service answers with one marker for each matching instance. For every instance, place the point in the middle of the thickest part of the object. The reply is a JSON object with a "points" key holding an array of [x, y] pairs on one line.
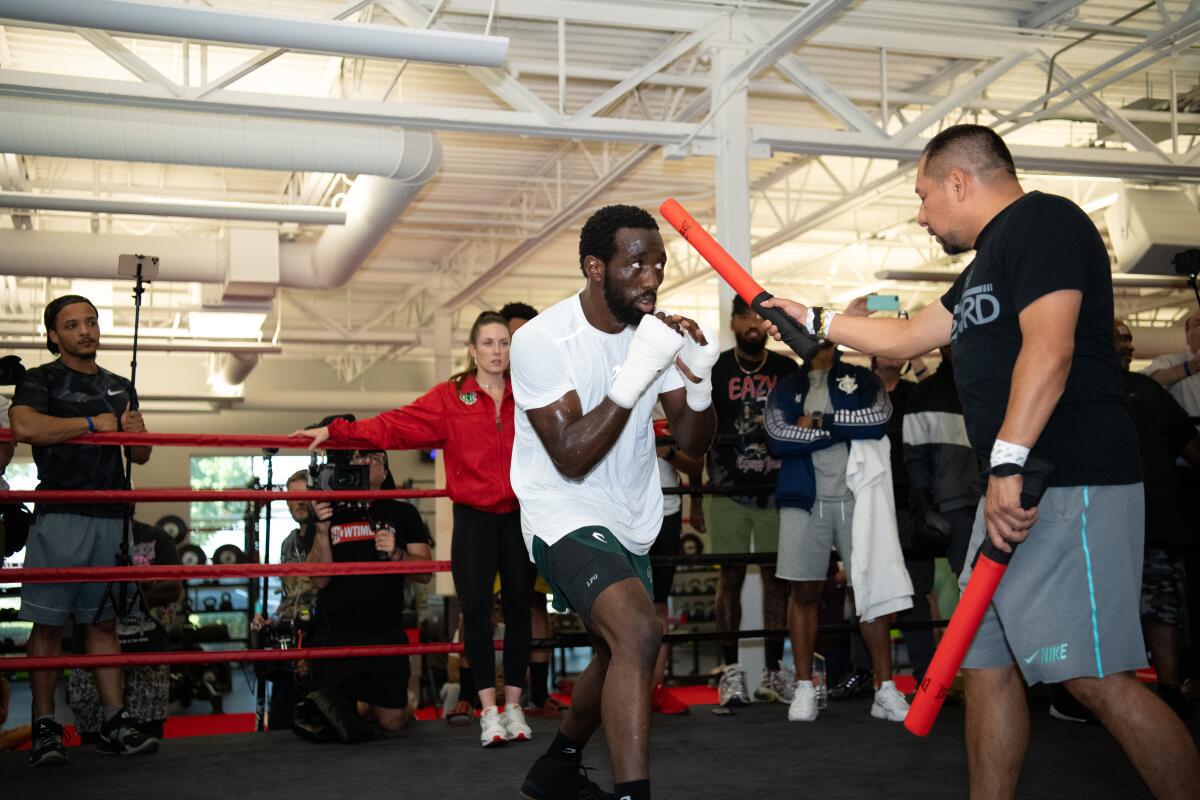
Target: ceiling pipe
{"points": [[201, 209], [325, 37], [392, 164]]}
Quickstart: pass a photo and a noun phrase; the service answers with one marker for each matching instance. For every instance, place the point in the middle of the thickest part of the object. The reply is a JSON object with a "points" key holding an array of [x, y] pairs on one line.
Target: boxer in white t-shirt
{"points": [[586, 374]]}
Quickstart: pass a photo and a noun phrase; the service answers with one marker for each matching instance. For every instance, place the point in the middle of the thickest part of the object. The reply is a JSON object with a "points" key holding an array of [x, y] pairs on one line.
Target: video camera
{"points": [[336, 473]]}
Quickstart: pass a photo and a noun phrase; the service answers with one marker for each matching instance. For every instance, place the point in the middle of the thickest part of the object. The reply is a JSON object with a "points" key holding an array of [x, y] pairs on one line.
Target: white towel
{"points": [[877, 571]]}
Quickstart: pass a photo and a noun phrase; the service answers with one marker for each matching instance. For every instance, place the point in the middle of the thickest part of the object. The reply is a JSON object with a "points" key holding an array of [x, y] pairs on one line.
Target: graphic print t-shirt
{"points": [[739, 396], [368, 603], [57, 391], [1038, 245]]}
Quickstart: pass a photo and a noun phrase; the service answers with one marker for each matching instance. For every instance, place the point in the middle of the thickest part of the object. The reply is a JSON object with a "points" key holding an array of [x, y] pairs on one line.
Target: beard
{"points": [[951, 247], [751, 347], [622, 308]]}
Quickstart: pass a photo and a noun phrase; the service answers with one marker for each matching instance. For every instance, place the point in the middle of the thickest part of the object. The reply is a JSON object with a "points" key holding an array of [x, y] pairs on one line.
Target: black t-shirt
{"points": [[1038, 245], [367, 603], [1163, 432], [58, 391], [895, 432], [739, 395]]}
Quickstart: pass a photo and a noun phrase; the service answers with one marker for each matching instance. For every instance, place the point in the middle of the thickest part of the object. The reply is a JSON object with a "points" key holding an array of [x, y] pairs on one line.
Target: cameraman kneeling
{"points": [[366, 609]]}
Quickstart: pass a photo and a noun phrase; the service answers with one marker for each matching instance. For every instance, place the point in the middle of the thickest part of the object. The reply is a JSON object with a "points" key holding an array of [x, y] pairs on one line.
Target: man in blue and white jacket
{"points": [[811, 418]]}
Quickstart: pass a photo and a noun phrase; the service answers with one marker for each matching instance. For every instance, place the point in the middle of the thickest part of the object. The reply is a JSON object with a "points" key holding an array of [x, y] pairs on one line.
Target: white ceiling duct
{"points": [[290, 33], [393, 164]]}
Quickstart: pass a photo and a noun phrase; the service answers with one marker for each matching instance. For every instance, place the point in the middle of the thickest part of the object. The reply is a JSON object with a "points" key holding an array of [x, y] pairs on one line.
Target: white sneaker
{"points": [[491, 728], [731, 690], [803, 707], [513, 720], [889, 703]]}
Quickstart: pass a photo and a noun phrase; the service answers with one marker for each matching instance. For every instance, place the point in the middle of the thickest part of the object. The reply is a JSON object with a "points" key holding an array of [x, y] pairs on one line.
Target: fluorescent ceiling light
{"points": [[226, 324]]}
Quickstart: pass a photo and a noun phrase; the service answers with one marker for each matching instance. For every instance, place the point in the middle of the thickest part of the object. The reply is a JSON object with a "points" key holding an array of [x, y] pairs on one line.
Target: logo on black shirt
{"points": [[977, 306]]}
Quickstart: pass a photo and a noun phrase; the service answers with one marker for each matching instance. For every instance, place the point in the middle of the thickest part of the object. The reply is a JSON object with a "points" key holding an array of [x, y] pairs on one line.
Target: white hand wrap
{"points": [[700, 359], [653, 348]]}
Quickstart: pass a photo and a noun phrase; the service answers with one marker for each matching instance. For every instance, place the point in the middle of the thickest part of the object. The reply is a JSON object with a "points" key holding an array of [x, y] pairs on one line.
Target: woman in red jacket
{"points": [[470, 419]]}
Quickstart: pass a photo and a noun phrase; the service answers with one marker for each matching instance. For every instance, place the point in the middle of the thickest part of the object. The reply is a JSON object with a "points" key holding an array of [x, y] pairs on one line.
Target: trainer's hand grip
{"points": [[803, 343]]}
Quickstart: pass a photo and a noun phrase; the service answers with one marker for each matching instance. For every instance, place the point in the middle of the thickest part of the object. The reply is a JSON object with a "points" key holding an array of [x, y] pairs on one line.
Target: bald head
{"points": [[975, 149]]}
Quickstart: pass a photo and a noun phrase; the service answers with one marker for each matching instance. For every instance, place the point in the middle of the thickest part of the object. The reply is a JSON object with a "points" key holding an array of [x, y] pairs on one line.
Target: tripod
{"points": [[117, 592]]}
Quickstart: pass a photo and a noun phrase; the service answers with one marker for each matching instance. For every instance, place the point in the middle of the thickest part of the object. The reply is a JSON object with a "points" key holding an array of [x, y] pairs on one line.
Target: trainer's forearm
{"points": [[584, 442], [1169, 376], [891, 338], [1038, 380]]}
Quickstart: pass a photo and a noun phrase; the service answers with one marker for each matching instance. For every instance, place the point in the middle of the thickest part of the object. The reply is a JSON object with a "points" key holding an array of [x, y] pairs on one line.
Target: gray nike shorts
{"points": [[70, 540], [1068, 605]]}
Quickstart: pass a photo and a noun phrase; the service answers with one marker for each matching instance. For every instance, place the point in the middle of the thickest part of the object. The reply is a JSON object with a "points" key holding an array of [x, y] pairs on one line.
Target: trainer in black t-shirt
{"points": [[58, 391], [740, 390], [1038, 245], [368, 603]]}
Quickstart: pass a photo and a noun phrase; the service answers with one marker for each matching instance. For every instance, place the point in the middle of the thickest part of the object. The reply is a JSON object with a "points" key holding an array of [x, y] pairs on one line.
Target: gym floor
{"points": [[751, 754]]}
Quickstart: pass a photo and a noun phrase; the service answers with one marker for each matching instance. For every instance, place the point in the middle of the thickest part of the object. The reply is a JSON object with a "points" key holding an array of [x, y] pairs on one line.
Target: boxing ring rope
{"points": [[216, 571]]}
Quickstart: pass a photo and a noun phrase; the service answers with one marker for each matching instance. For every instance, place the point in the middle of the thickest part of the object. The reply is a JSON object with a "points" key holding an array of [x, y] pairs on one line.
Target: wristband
{"points": [[91, 425], [1008, 453]]}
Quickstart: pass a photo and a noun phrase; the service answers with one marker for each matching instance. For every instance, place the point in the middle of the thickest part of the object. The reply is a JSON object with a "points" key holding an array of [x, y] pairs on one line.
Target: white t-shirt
{"points": [[1187, 391], [555, 353]]}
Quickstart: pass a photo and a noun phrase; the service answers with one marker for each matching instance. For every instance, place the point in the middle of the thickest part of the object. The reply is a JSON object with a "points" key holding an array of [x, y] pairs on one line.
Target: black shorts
{"points": [[381, 682], [584, 563], [667, 544]]}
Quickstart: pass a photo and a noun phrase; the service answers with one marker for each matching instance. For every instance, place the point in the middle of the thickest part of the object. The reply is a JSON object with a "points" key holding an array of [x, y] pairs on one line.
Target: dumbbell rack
{"points": [[694, 594]]}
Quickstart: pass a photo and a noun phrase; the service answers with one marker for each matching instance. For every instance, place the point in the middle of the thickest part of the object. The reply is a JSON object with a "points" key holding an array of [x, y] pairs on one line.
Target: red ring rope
{"points": [[224, 656], [205, 440], [206, 495], [172, 572]]}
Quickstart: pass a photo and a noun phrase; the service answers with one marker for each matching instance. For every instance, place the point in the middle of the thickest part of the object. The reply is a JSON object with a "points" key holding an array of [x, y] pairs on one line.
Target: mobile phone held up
{"points": [[883, 302]]}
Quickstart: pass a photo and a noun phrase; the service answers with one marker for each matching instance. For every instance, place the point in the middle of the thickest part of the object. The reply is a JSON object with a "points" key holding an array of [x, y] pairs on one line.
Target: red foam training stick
{"points": [[794, 336], [968, 614]]}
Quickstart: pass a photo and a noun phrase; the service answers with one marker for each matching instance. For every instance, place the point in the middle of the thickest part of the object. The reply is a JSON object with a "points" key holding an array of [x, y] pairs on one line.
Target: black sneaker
{"points": [[555, 779], [120, 737], [46, 748], [855, 683]]}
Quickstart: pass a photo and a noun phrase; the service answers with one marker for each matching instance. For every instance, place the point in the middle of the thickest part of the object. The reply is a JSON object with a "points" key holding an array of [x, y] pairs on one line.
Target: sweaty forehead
{"points": [[632, 242]]}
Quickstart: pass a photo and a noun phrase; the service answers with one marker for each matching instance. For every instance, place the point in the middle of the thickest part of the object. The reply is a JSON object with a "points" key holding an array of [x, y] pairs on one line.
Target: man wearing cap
{"points": [[54, 403], [359, 610]]}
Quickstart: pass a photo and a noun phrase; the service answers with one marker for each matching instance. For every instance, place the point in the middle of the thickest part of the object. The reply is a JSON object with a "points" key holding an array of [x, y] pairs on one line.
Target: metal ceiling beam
{"points": [[665, 58], [1055, 11], [1108, 115], [637, 131], [128, 59], [819, 90], [496, 80], [968, 91]]}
